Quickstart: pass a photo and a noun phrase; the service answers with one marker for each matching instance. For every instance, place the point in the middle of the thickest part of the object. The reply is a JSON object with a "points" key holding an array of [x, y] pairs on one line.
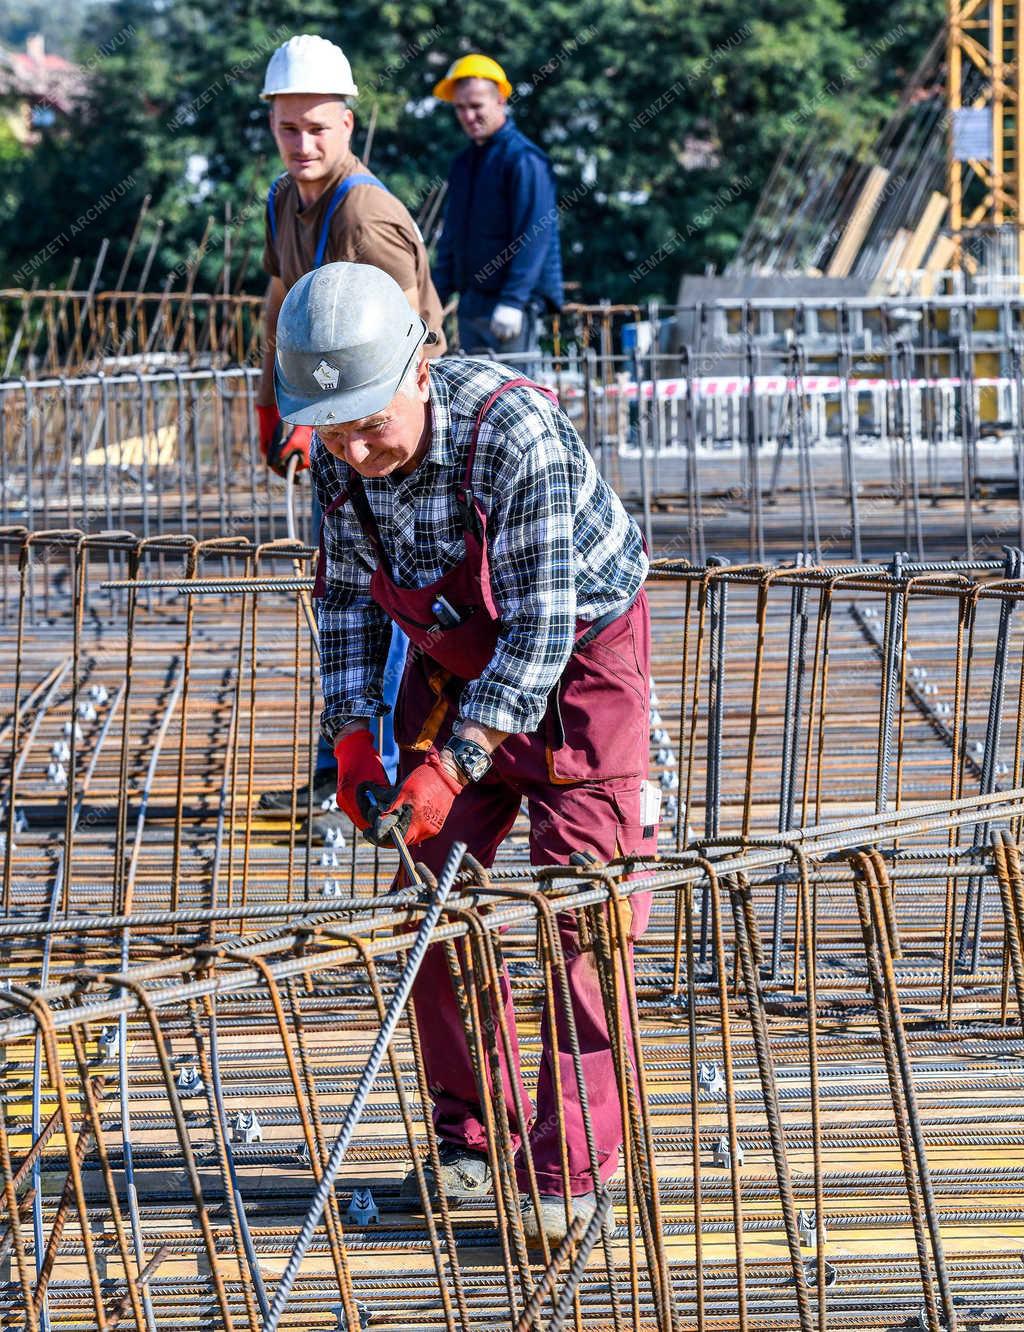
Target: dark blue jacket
{"points": [[500, 235]]}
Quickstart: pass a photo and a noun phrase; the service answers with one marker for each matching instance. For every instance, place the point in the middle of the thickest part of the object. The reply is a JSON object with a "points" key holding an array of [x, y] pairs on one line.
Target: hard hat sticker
{"points": [[326, 375]]}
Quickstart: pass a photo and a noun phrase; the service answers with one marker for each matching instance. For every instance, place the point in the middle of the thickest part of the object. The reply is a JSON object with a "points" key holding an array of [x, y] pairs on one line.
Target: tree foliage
{"points": [[662, 117]]}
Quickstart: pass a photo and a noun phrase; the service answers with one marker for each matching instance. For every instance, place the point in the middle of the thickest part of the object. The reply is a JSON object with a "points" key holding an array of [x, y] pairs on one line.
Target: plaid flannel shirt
{"points": [[560, 546]]}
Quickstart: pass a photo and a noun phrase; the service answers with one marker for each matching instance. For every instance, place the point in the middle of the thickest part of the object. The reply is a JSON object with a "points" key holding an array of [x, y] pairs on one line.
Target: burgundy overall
{"points": [[580, 774]]}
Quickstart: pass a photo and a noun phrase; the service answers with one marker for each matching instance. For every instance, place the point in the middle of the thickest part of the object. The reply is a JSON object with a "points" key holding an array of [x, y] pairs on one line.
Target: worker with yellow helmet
{"points": [[500, 248]]}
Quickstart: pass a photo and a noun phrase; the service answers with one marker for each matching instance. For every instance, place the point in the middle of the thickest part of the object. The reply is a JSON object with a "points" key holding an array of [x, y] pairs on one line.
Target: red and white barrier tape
{"points": [[773, 385]]}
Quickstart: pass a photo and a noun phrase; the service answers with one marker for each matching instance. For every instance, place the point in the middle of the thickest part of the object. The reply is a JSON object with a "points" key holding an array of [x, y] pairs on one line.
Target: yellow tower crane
{"points": [[985, 94]]}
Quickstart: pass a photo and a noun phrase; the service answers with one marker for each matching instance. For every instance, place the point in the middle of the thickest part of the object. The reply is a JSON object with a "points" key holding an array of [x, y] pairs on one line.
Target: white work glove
{"points": [[506, 322]]}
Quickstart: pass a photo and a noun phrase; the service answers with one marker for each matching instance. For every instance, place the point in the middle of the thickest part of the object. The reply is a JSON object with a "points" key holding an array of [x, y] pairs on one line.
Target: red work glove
{"points": [[279, 440], [428, 793], [270, 419], [359, 765]]}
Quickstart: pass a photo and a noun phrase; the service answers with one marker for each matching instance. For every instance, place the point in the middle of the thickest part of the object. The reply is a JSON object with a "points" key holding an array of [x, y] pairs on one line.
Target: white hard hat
{"points": [[308, 64]]}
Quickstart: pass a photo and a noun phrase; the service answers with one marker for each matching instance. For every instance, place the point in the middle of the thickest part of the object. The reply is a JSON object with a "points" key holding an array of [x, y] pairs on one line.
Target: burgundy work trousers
{"points": [[580, 776]]}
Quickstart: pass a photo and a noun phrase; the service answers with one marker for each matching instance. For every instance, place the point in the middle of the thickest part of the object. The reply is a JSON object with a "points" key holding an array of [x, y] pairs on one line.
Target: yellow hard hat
{"points": [[472, 67]]}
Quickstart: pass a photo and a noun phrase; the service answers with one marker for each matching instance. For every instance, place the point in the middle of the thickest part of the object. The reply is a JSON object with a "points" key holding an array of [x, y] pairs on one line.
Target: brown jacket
{"points": [[369, 226]]}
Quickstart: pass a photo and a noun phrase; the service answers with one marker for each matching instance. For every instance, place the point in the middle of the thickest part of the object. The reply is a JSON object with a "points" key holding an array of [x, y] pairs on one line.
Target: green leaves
{"points": [[670, 112]]}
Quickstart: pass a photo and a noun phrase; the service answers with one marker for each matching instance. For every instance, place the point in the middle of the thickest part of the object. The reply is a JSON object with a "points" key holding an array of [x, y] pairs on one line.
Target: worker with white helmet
{"points": [[499, 248], [325, 207], [460, 503]]}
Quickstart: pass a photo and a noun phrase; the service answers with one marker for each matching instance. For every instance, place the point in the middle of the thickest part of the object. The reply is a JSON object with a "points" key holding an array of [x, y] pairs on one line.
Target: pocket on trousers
{"points": [[596, 725], [630, 839]]}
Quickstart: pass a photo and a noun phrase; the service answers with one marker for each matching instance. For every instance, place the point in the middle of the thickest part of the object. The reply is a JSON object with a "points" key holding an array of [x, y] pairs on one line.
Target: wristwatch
{"points": [[471, 759]]}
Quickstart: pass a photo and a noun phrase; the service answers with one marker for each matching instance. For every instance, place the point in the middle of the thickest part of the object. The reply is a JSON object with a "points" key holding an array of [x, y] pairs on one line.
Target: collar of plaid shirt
{"points": [[442, 446]]}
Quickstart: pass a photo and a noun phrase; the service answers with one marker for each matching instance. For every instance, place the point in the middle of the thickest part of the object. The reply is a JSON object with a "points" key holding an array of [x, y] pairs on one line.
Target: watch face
{"points": [[471, 758]]}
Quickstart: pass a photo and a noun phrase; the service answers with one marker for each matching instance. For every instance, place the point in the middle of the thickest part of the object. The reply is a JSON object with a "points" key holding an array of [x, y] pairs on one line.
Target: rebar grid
{"points": [[148, 712], [292, 1018], [821, 1042]]}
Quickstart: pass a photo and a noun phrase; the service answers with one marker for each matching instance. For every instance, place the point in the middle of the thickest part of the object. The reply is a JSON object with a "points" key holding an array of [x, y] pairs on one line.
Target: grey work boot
{"points": [[465, 1175], [552, 1217], [325, 782]]}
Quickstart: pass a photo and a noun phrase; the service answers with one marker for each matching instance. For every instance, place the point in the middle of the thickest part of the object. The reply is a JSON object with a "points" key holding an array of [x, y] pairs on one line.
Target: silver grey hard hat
{"points": [[346, 335]]}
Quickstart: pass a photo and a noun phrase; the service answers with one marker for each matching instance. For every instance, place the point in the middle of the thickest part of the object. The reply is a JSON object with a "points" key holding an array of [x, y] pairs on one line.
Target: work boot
{"points": [[552, 1217], [465, 1175], [325, 783]]}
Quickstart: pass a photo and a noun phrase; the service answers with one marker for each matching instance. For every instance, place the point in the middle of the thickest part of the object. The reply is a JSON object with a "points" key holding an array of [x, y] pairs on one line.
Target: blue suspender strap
{"points": [[271, 212], [361, 178], [340, 190]]}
